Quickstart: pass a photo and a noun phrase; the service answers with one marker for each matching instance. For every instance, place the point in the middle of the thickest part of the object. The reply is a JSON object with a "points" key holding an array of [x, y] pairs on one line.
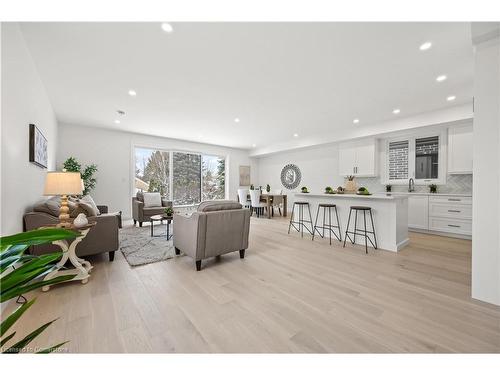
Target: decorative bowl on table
{"points": [[340, 190]]}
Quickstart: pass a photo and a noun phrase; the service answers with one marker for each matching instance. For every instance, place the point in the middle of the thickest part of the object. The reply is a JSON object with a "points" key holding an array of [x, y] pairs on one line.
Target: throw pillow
{"points": [[140, 196], [49, 206], [152, 200], [89, 201]]}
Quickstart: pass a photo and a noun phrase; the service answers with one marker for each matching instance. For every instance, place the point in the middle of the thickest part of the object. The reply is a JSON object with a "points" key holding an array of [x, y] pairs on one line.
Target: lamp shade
{"points": [[63, 183]]}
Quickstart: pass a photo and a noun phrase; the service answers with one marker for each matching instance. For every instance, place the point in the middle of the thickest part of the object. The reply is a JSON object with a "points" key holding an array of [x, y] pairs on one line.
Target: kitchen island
{"points": [[390, 215]]}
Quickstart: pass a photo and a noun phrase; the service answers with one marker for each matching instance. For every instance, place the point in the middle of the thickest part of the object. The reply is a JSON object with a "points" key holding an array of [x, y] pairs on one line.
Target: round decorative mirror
{"points": [[290, 176]]}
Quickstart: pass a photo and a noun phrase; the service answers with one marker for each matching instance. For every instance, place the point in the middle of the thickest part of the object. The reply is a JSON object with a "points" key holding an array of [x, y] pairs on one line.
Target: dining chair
{"points": [[256, 204], [277, 200], [243, 197]]}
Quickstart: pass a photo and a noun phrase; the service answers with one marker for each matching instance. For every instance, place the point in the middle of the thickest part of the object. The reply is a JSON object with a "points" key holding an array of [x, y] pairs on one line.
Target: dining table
{"points": [[269, 198]]}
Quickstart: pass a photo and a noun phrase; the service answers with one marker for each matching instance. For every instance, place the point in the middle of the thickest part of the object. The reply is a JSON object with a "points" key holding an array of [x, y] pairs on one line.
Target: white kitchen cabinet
{"points": [[460, 149], [358, 158], [418, 212]]}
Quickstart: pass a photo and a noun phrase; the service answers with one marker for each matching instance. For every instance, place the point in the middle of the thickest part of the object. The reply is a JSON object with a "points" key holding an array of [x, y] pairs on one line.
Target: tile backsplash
{"points": [[455, 184]]}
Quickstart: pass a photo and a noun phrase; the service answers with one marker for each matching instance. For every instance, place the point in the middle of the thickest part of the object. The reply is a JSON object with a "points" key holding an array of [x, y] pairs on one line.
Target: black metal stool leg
{"points": [[373, 229], [355, 225], [347, 229], [291, 218], [338, 224], [330, 223], [315, 224], [310, 218], [366, 235]]}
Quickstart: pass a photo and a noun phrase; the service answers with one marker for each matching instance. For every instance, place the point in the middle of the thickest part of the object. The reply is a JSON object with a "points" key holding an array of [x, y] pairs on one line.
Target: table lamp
{"points": [[63, 184]]}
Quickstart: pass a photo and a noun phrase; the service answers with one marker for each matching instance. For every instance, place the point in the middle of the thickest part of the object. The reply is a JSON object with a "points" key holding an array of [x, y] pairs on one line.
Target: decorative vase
{"points": [[80, 221], [350, 186]]}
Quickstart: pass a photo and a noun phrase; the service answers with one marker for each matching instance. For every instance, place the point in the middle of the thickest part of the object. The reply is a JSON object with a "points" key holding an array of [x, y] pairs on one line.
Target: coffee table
{"points": [[160, 218]]}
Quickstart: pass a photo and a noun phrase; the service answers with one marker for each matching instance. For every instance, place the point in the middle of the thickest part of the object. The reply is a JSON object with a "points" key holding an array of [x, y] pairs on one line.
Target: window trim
{"points": [[171, 165], [442, 158]]}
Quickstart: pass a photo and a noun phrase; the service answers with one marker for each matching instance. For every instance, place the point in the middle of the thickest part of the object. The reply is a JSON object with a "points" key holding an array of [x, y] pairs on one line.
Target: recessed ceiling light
{"points": [[165, 26], [355, 121], [120, 112], [236, 119], [425, 46], [451, 98], [254, 145], [295, 135], [132, 92], [441, 78], [396, 111], [117, 121]]}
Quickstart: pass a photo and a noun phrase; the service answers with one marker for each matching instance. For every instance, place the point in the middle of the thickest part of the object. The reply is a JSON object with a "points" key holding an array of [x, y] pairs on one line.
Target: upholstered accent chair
{"points": [[216, 228], [141, 212]]}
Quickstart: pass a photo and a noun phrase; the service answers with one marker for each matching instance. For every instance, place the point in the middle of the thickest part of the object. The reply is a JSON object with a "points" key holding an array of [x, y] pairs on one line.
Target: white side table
{"points": [[82, 267]]}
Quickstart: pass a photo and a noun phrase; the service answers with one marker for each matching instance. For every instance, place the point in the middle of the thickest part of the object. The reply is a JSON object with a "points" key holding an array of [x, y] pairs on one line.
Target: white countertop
{"points": [[433, 194], [382, 196]]}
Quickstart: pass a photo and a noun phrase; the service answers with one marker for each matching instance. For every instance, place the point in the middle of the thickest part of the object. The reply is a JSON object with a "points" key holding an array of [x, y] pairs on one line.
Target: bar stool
{"points": [[329, 227], [301, 225], [361, 232]]}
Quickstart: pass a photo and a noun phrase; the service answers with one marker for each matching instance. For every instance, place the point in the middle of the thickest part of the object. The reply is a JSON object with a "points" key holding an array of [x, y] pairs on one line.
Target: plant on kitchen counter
{"points": [[433, 188], [388, 188], [329, 190], [303, 189], [363, 191], [268, 188], [350, 178]]}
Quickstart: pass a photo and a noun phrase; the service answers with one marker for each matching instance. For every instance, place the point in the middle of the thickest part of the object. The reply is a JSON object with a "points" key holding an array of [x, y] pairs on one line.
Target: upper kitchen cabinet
{"points": [[460, 149], [358, 158]]}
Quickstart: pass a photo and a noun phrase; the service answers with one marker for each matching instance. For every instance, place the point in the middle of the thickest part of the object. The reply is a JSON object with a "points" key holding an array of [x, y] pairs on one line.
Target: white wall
{"points": [[24, 101], [486, 208], [112, 152]]}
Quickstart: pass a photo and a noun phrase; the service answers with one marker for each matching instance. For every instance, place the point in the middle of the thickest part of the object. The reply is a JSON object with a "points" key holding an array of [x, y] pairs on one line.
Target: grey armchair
{"points": [[216, 228], [141, 214]]}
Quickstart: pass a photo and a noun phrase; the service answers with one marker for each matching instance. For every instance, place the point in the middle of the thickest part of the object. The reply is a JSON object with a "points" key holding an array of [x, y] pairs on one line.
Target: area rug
{"points": [[138, 247]]}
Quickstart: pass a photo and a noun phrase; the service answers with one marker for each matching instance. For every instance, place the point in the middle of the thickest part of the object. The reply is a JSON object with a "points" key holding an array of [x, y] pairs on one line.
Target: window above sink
{"points": [[421, 157]]}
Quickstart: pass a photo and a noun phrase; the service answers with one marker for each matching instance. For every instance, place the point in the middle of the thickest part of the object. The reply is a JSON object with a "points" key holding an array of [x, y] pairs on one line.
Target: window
{"points": [[420, 158], [213, 177], [186, 178], [152, 171], [426, 157], [398, 160]]}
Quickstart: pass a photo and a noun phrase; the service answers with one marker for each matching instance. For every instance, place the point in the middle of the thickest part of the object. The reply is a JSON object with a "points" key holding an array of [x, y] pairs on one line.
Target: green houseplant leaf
{"points": [[21, 273]]}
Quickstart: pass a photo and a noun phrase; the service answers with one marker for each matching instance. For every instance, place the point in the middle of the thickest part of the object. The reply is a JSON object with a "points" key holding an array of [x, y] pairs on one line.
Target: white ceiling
{"points": [[278, 78]]}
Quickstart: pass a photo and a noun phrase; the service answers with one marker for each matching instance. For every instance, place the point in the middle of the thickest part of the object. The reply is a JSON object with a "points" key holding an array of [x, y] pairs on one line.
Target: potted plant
{"points": [[27, 274], [388, 188], [329, 190], [350, 185], [268, 188], [87, 173], [363, 191], [433, 188], [169, 211], [303, 189]]}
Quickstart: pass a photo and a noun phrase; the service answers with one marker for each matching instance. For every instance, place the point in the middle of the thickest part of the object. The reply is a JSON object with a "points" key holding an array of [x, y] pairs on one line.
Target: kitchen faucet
{"points": [[411, 185]]}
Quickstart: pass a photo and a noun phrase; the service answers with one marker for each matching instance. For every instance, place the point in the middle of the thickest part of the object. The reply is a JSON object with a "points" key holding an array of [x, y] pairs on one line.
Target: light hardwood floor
{"points": [[288, 295]]}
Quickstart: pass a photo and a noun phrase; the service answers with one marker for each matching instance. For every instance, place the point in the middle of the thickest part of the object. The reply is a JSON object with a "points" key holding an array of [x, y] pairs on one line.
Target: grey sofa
{"points": [[141, 214], [103, 238], [216, 228]]}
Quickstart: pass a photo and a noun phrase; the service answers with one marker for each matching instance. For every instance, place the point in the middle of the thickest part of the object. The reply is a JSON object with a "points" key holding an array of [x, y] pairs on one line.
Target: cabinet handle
{"points": [[454, 200], [454, 211], [454, 226]]}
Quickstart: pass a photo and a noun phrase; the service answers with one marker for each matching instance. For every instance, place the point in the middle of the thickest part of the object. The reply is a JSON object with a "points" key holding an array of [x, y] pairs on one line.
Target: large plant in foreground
{"points": [[21, 273]]}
